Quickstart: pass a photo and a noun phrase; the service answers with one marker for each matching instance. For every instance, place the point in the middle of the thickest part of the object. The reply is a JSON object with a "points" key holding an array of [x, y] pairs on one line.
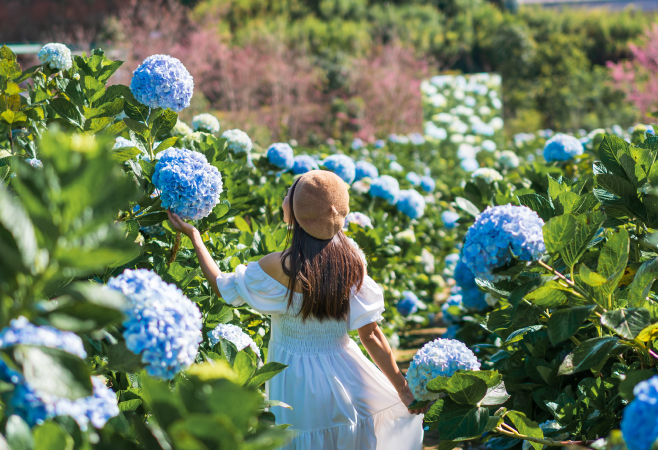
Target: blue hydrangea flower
{"points": [[411, 203], [21, 331], [364, 169], [469, 164], [451, 332], [162, 82], [438, 358], [341, 165], [380, 143], [188, 184], [162, 324], [499, 234], [303, 164], [450, 263], [453, 307], [472, 297], [639, 423], [395, 166], [206, 122], [280, 155], [562, 147], [237, 141], [358, 218], [413, 178], [56, 56], [121, 142], [96, 409], [427, 184], [449, 219], [385, 187], [36, 163], [408, 304], [357, 144], [233, 334]]}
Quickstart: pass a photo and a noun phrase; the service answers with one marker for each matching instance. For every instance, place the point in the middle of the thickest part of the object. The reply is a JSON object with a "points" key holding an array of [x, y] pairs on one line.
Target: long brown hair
{"points": [[326, 271]]}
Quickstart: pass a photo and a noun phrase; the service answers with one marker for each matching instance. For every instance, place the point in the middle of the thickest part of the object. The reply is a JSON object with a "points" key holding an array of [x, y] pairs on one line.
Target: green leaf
{"points": [[138, 127], [591, 278], [649, 333], [461, 422], [609, 151], [123, 360], [68, 111], [613, 259], [631, 379], [517, 335], [627, 323], [467, 206], [466, 389], [496, 395], [242, 224], [591, 353], [15, 220], [265, 373], [541, 205], [152, 219], [122, 154], [641, 285], [564, 323], [568, 201], [51, 436], [164, 145], [617, 185], [164, 123], [17, 434], [526, 427], [588, 225], [12, 117], [130, 405], [244, 365], [558, 232], [438, 384], [54, 371], [6, 53], [550, 295], [166, 406], [94, 89]]}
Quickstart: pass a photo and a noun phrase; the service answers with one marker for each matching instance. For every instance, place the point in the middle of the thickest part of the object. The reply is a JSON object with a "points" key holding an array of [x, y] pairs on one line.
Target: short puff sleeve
{"points": [[250, 284], [367, 305]]}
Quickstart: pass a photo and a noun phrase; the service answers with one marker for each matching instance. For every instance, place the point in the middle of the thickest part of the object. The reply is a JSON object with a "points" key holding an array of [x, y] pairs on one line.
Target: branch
{"points": [[579, 291], [550, 442]]}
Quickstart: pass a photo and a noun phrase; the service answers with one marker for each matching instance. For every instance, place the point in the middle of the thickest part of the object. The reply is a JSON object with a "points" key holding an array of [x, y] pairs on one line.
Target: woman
{"points": [[316, 291]]}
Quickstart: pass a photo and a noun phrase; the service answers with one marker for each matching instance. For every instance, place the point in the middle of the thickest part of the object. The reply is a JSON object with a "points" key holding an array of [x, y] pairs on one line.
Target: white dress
{"points": [[339, 399]]}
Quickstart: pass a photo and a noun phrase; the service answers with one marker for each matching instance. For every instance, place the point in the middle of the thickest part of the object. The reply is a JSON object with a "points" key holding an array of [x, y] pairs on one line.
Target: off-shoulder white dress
{"points": [[339, 399]]}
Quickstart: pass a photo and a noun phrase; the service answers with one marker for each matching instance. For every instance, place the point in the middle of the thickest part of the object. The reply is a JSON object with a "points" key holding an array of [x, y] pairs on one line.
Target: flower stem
{"points": [[511, 432], [174, 251]]}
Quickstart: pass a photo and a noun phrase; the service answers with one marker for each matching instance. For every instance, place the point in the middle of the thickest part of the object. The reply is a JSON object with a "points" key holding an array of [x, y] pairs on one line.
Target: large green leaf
{"points": [[559, 231], [588, 225], [22, 245], [550, 295], [641, 285], [564, 323], [589, 354], [461, 422], [541, 205], [617, 185], [265, 373], [609, 152], [466, 389], [627, 323], [526, 427], [613, 259], [68, 111], [51, 436]]}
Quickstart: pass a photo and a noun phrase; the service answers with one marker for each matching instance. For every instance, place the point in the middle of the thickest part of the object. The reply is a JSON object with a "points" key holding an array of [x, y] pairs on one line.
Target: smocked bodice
{"points": [[310, 336]]}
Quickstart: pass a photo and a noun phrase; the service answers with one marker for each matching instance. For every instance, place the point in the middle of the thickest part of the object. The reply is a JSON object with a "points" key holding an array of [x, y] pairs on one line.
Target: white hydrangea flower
{"points": [[181, 129], [56, 56], [509, 159], [487, 174], [205, 122]]}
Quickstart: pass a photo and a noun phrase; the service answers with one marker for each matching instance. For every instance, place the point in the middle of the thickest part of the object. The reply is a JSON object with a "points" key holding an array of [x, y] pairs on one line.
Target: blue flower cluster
{"points": [[303, 164], [450, 263], [411, 204], [36, 163], [385, 187], [449, 219], [453, 308], [409, 303], [56, 56], [34, 406], [365, 169], [357, 144], [233, 334], [280, 155], [121, 142], [188, 184], [438, 358], [499, 234], [413, 178], [427, 183], [162, 82], [358, 218], [380, 143], [162, 324], [341, 165], [562, 147], [238, 141], [206, 122], [639, 424], [472, 296]]}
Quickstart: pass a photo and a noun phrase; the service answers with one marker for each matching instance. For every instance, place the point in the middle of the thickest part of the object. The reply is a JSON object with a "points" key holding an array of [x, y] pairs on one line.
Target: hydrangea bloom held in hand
{"points": [[408, 304], [562, 147], [499, 233], [280, 155], [385, 187], [438, 358], [358, 218], [449, 219], [162, 324], [427, 184], [206, 122], [238, 141], [341, 165], [188, 184], [364, 169], [162, 82], [235, 335], [487, 174], [639, 424], [303, 164], [411, 203], [56, 56]]}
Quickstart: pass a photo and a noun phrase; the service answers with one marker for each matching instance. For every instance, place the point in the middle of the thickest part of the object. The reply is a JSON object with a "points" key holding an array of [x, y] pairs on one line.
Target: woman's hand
{"points": [[407, 398], [179, 225]]}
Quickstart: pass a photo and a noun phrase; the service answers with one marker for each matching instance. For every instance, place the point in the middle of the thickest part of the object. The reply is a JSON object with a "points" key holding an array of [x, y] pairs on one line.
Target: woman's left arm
{"points": [[208, 265]]}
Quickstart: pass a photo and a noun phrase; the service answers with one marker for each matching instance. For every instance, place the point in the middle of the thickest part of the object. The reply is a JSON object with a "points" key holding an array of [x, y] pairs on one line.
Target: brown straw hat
{"points": [[321, 203]]}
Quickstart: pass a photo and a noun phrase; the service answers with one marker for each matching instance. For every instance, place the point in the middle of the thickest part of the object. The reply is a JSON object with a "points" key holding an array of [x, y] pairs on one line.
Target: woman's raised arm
{"points": [[208, 265]]}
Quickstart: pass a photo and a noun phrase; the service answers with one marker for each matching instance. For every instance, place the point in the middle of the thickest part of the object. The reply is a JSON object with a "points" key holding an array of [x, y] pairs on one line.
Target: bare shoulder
{"points": [[271, 265]]}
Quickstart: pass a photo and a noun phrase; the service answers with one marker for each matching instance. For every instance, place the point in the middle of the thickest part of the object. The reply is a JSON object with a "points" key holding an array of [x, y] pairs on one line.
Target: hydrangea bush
{"points": [[188, 184], [162, 325]]}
